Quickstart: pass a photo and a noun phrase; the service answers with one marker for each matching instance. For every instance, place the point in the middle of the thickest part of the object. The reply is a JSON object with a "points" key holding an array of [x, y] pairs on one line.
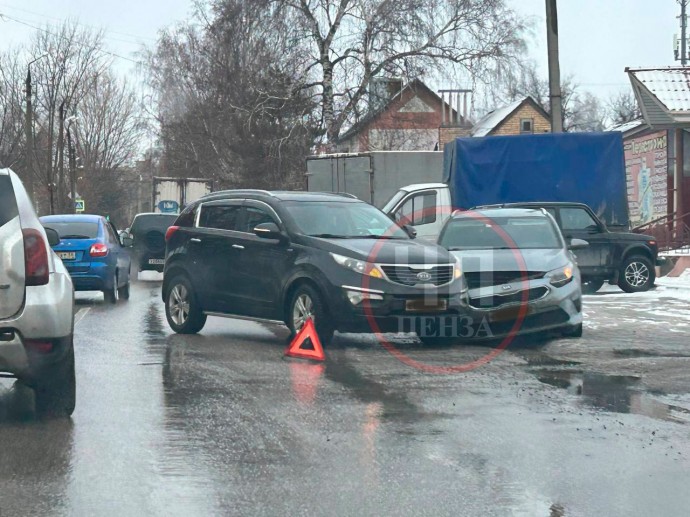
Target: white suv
{"points": [[36, 304]]}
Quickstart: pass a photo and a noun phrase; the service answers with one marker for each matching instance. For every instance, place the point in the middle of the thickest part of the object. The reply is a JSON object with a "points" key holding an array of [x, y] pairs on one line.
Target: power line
{"points": [[58, 19], [5, 17]]}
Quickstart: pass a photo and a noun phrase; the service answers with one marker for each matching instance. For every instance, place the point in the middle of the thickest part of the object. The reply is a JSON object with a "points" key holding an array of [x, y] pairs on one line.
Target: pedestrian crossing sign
{"points": [[79, 205]]}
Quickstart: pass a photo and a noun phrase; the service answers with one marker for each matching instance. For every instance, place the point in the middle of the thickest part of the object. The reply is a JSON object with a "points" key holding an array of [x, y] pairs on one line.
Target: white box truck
{"points": [[171, 195]]}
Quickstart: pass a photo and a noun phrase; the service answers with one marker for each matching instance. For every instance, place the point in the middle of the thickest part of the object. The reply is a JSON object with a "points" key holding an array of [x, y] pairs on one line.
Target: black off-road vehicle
{"points": [[622, 258], [148, 232]]}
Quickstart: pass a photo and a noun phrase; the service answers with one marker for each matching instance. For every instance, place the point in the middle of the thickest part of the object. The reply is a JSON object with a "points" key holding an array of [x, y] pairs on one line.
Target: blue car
{"points": [[92, 253]]}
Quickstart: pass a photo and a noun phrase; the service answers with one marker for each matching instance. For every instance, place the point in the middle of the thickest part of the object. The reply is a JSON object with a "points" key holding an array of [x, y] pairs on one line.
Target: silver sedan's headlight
{"points": [[561, 276]]}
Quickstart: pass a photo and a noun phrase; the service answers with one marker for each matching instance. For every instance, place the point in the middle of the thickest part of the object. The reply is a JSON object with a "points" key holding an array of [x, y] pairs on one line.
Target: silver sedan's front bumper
{"points": [[523, 308]]}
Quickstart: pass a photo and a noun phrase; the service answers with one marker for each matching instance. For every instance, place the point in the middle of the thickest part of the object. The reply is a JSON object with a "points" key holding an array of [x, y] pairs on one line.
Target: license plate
{"points": [[423, 305], [67, 255], [507, 314], [157, 261]]}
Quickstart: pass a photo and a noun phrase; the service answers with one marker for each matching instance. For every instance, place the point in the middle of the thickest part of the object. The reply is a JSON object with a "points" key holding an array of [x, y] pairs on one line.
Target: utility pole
{"points": [[61, 159], [29, 134], [72, 155], [683, 32], [555, 95]]}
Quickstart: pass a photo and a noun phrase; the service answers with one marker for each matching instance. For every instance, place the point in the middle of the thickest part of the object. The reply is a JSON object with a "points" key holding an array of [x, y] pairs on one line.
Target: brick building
{"points": [[521, 117], [407, 118]]}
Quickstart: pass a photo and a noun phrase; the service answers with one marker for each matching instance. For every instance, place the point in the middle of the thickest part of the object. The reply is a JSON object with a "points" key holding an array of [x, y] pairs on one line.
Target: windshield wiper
{"points": [[328, 236], [75, 237], [374, 236]]}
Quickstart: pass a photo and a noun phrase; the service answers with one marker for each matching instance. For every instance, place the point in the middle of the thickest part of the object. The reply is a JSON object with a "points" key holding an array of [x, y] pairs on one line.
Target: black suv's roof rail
{"points": [[343, 194], [238, 191]]}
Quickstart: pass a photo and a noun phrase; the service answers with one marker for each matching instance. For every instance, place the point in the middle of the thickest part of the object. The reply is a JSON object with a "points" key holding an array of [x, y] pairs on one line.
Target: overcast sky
{"points": [[598, 38]]}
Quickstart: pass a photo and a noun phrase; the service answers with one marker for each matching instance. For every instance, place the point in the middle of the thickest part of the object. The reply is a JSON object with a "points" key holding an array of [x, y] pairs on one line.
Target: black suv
{"points": [[288, 256], [623, 258], [148, 233]]}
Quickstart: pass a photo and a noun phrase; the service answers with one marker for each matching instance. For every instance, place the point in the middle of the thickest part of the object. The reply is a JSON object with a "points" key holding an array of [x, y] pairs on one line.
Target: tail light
{"points": [[98, 250], [35, 257], [170, 231]]}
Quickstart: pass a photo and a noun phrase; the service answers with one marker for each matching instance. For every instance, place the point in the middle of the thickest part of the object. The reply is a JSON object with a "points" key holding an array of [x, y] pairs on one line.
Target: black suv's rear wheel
{"points": [[307, 303], [182, 309], [636, 274]]}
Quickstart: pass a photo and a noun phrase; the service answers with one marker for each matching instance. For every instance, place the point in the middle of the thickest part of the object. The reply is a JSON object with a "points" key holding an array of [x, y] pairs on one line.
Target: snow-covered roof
{"points": [[663, 94], [670, 85], [627, 126], [492, 119]]}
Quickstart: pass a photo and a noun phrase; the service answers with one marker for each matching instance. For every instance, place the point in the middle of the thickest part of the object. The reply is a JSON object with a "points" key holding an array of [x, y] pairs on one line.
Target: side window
{"points": [[577, 219], [418, 209], [110, 233], [187, 217], [8, 205], [220, 217], [256, 216]]}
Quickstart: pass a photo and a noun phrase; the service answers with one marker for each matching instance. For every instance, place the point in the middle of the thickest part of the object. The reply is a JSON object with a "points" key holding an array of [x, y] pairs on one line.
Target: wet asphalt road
{"points": [[222, 424]]}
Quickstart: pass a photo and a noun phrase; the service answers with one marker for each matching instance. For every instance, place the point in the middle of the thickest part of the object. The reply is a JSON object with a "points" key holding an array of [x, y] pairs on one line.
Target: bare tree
{"points": [[228, 102], [350, 42], [108, 130], [68, 59], [622, 107], [11, 108]]}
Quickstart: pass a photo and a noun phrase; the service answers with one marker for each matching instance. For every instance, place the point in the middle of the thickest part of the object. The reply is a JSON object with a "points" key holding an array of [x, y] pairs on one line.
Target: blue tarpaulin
{"points": [[580, 167]]}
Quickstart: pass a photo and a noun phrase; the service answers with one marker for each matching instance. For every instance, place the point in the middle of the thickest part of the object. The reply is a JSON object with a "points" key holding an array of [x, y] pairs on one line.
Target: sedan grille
{"points": [[492, 278], [411, 275], [497, 300]]}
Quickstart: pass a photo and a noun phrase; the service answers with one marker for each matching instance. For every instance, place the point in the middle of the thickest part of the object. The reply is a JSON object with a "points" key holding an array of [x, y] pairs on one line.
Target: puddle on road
{"points": [[614, 393]]}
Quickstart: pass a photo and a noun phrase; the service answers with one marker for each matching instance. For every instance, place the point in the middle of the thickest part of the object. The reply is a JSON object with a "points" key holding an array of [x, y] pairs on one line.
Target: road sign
{"points": [[79, 205]]}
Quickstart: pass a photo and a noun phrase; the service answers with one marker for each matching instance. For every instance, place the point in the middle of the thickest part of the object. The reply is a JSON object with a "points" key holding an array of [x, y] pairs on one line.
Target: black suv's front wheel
{"points": [[306, 302], [636, 274], [182, 309]]}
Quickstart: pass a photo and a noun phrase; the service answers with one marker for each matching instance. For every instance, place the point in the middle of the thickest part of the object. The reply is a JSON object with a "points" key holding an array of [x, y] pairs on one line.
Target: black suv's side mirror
{"points": [[126, 240], [53, 237], [269, 231]]}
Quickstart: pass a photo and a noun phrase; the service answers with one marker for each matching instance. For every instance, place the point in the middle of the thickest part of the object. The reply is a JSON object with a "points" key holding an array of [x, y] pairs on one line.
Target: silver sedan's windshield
{"points": [[524, 232]]}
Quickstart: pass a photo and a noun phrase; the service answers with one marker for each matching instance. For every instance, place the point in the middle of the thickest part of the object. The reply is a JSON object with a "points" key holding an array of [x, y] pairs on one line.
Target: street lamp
{"points": [[29, 131]]}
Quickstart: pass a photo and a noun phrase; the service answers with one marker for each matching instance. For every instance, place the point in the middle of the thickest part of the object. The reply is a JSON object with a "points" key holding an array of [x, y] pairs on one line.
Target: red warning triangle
{"points": [[307, 332]]}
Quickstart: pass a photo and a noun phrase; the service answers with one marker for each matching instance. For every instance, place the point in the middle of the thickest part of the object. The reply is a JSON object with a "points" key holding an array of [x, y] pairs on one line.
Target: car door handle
{"points": [[194, 239], [238, 246]]}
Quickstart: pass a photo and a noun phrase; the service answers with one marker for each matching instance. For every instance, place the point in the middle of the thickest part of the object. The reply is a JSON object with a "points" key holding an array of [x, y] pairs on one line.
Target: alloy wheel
{"points": [[636, 274], [302, 310], [178, 303]]}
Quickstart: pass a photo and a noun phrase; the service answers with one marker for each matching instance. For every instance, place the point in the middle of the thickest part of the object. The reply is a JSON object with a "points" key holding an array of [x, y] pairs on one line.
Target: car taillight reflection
{"points": [[98, 250], [35, 257], [170, 231]]}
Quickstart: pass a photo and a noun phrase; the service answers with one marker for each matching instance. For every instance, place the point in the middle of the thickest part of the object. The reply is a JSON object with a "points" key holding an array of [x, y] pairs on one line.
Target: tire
{"points": [[182, 309], [592, 285], [124, 291], [112, 295], [308, 302], [573, 332], [55, 393], [636, 275]]}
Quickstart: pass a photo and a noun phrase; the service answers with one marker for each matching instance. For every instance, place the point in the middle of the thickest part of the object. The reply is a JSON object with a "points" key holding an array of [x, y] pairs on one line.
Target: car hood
{"points": [[388, 251], [543, 260]]}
